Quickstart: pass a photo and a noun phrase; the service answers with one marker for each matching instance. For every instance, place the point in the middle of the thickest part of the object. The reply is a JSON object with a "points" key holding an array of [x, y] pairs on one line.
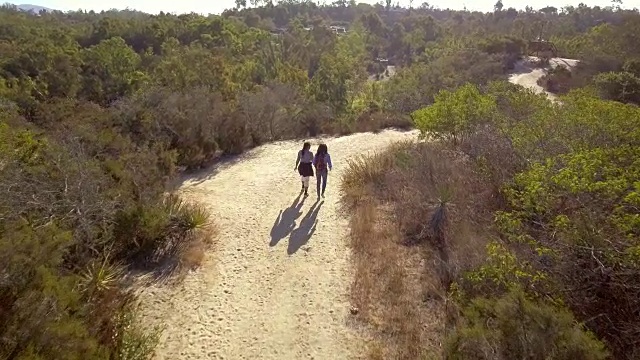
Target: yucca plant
{"points": [[173, 204], [438, 229], [99, 277], [189, 215], [194, 216], [438, 221]]}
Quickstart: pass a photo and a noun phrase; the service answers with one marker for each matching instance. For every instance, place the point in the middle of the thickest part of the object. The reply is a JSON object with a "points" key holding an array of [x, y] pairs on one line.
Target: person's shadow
{"points": [[286, 221], [303, 233]]}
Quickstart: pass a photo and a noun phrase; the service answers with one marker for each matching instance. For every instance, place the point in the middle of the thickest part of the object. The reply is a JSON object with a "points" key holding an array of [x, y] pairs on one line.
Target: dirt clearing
{"points": [[277, 284], [527, 75]]}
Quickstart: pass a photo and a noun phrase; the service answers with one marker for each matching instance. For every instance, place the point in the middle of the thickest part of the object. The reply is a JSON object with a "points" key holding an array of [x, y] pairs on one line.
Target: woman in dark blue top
{"points": [[322, 163]]}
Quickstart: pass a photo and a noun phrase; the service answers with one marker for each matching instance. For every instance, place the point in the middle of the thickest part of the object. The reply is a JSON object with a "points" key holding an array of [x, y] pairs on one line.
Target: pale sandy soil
{"points": [[526, 75], [276, 285]]}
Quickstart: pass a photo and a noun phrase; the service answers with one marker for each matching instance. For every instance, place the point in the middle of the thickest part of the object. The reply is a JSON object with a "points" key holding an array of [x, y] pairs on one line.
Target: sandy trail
{"points": [[276, 286], [527, 75]]}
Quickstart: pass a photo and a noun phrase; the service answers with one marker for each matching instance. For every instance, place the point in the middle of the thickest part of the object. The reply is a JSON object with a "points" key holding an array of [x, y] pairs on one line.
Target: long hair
{"points": [[322, 150], [306, 146]]}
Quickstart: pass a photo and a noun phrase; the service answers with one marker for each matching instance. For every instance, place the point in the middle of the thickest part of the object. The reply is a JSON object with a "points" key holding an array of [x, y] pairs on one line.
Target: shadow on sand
{"points": [[303, 233], [212, 168], [286, 220]]}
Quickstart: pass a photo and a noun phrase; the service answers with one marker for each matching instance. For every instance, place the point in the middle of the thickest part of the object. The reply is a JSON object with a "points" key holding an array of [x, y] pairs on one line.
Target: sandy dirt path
{"points": [[527, 75], [276, 286]]}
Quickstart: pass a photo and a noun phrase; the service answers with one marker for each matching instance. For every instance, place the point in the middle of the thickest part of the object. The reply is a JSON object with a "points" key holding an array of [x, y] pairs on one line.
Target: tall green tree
{"points": [[111, 69]]}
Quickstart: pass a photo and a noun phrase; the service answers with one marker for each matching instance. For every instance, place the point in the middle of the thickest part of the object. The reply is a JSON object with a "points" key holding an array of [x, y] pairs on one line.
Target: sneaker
{"points": [[323, 195]]}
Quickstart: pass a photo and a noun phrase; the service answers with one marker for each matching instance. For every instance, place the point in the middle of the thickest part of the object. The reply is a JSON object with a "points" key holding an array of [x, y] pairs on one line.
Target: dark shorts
{"points": [[305, 169]]}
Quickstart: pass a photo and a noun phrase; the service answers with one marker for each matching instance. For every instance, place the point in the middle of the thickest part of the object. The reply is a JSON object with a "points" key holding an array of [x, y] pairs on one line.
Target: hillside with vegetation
{"points": [[101, 112]]}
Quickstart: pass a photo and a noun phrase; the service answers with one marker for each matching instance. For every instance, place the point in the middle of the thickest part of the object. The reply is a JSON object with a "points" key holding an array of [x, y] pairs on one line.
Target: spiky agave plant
{"points": [[100, 276], [173, 204], [438, 227], [438, 221], [190, 216], [195, 216]]}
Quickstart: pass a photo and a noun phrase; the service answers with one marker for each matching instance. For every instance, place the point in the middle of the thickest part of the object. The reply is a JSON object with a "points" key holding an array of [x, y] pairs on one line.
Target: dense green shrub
{"points": [[514, 327], [454, 115], [570, 201], [79, 203], [619, 86]]}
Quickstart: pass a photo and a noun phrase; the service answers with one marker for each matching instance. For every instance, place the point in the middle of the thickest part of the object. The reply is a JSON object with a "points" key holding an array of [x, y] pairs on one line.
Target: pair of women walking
{"points": [[305, 163]]}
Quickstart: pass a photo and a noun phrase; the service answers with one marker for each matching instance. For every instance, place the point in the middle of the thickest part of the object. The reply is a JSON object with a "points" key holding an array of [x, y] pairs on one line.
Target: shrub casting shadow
{"points": [[211, 168], [303, 233], [286, 221]]}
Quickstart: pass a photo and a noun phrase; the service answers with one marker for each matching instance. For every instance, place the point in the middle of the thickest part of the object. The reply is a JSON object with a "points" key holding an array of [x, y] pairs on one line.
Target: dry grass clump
{"points": [[193, 255], [198, 228], [387, 289], [418, 217]]}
